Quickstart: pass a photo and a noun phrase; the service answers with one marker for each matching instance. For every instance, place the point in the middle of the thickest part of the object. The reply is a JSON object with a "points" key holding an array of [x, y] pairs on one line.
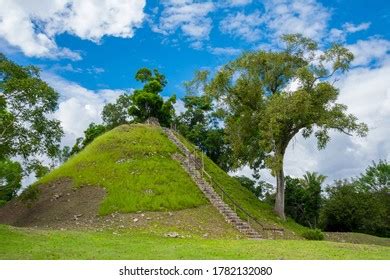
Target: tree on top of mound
{"points": [[143, 103]]}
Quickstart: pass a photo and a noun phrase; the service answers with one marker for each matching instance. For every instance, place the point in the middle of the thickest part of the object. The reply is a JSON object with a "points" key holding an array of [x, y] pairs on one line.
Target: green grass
{"points": [[246, 199], [355, 237], [133, 163], [39, 244]]}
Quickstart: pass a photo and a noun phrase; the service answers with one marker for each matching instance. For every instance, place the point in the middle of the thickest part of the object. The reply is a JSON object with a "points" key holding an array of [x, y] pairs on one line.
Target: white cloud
{"points": [[241, 25], [307, 17], [33, 25], [352, 28], [186, 15], [237, 3], [372, 50], [78, 106], [224, 51], [336, 34]]}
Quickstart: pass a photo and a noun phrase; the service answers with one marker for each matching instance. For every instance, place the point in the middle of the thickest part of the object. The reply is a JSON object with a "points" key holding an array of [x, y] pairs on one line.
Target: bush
{"points": [[348, 208], [313, 234], [31, 193]]}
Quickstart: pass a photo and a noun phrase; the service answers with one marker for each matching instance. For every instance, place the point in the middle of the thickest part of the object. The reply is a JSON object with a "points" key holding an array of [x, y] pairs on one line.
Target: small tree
{"points": [[260, 188], [11, 174], [147, 102], [264, 112], [115, 114], [303, 198], [142, 103]]}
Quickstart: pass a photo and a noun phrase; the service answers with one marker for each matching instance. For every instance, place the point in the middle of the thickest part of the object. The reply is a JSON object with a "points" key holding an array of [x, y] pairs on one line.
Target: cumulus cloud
{"points": [[224, 51], [241, 25], [78, 106], [372, 50], [307, 17], [352, 28], [237, 3], [33, 25], [336, 34], [190, 17]]}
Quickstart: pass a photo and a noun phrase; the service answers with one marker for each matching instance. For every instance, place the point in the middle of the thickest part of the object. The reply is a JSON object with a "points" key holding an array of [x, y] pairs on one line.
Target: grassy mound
{"points": [[44, 244], [133, 163]]}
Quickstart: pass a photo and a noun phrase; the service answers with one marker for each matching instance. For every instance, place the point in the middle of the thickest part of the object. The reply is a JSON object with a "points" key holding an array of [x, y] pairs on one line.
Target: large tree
{"points": [[270, 96], [26, 130]]}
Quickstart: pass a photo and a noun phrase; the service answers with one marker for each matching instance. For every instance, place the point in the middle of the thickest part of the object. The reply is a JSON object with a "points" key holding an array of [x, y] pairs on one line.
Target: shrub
{"points": [[31, 193], [348, 207], [313, 234]]}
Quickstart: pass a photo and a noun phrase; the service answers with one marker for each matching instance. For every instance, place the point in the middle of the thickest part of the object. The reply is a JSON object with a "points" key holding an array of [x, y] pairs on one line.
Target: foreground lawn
{"points": [[16, 243]]}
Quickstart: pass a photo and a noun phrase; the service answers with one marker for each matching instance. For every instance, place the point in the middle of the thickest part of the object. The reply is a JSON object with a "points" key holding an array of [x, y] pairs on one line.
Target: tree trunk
{"points": [[279, 200]]}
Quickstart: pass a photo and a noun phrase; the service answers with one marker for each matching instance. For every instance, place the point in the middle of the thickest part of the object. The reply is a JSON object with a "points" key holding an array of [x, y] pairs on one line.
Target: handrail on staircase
{"points": [[200, 166]]}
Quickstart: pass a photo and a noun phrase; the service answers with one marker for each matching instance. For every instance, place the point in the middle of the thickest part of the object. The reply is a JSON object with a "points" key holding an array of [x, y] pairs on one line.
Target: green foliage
{"points": [[199, 123], [133, 163], [143, 103], [376, 177], [303, 198], [93, 131], [11, 175], [147, 102], [65, 154], [25, 103], [348, 207], [38, 168], [115, 114], [313, 234], [29, 194], [260, 188], [263, 113]]}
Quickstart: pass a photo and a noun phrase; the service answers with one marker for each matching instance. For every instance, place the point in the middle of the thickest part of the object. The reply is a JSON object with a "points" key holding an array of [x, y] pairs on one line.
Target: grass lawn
{"points": [[133, 163], [18, 243]]}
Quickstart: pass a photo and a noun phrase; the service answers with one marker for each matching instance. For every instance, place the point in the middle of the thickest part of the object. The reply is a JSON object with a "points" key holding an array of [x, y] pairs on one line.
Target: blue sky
{"points": [[89, 51]]}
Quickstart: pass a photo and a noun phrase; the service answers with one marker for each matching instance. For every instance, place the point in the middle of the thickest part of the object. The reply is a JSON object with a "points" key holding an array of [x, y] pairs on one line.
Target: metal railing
{"points": [[199, 165]]}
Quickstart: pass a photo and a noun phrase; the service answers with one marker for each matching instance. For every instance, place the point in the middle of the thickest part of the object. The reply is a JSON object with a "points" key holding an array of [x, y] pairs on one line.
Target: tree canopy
{"points": [[143, 103], [270, 96], [199, 123], [26, 130]]}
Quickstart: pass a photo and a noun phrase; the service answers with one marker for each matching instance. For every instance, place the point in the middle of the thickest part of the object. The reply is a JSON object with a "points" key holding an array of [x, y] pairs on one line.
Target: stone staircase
{"points": [[189, 162]]}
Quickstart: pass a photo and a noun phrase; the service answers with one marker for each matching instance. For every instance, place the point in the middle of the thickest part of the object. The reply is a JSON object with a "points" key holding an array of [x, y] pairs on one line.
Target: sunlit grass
{"points": [[41, 244], [133, 163]]}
